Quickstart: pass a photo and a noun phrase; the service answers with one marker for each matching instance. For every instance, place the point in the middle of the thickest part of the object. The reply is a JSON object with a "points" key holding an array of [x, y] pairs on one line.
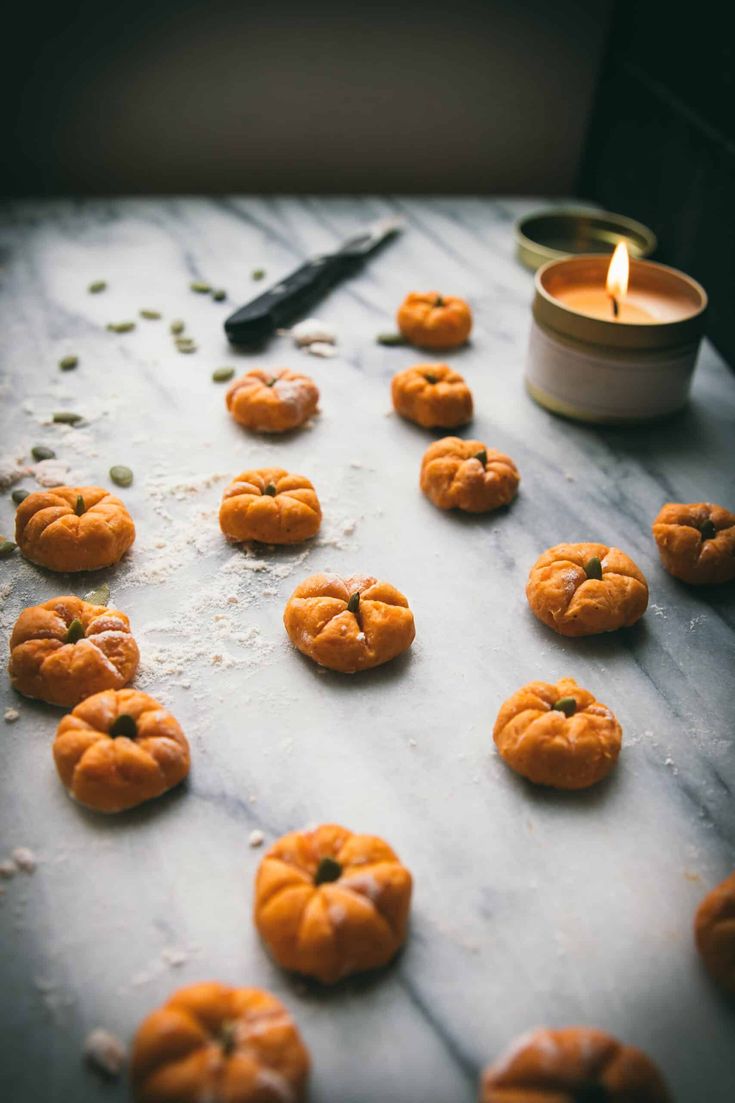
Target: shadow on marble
{"points": [[137, 817], [604, 646], [376, 676], [574, 801]]}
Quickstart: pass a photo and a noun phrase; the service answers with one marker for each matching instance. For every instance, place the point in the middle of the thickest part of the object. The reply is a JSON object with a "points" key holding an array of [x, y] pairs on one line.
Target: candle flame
{"points": [[617, 273]]}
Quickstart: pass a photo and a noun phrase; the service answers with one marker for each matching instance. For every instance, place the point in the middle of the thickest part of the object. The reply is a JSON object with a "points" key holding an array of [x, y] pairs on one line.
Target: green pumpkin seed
{"points": [[567, 705], [593, 568], [228, 1037], [68, 363], [438, 301], [120, 327], [200, 287], [19, 495], [67, 417], [150, 315], [270, 490], [97, 286], [100, 596], [177, 326], [481, 456], [257, 273], [222, 375], [271, 382], [431, 378], [124, 724], [75, 631], [7, 547], [390, 339], [354, 603], [41, 452], [219, 295], [121, 475], [708, 530], [327, 870], [79, 506]]}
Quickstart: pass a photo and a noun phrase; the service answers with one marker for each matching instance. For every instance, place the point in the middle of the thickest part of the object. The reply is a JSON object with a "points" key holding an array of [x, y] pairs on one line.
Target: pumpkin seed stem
{"points": [[567, 705], [270, 490], [124, 724], [353, 605], [439, 301], [75, 631], [271, 382], [708, 530], [481, 456], [228, 1036], [327, 870], [593, 568], [79, 506], [431, 378]]}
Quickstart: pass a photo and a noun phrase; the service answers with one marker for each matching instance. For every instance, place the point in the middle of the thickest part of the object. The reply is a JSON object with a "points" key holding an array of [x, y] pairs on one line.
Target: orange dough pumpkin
{"points": [[118, 749], [714, 932], [73, 528], [465, 474], [583, 589], [432, 395], [696, 542], [329, 903], [348, 624], [66, 650], [270, 505], [571, 1065], [433, 321], [557, 735], [272, 402], [219, 1044]]}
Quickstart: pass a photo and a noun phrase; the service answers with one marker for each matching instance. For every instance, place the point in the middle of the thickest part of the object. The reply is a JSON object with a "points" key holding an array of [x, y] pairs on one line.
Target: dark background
{"points": [[628, 104]]}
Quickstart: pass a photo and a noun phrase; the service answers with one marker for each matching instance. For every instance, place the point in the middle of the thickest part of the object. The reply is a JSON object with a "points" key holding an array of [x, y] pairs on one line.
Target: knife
{"points": [[294, 295]]}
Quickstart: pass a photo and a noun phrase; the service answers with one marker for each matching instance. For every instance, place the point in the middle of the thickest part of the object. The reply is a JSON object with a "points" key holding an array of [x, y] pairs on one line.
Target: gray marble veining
{"points": [[530, 907]]}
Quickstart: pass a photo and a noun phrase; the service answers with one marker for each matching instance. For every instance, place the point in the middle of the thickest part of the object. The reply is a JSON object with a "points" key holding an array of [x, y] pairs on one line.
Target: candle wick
{"points": [[615, 306]]}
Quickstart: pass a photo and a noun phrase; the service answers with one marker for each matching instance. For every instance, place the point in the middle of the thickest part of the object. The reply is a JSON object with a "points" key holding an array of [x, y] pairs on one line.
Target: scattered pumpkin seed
{"points": [[327, 870], [96, 286], [354, 603], [7, 547], [186, 346], [481, 456], [222, 375], [219, 295], [708, 530], [41, 452], [593, 568], [68, 363], [19, 495], [150, 315], [121, 475], [120, 327], [200, 287], [75, 631], [177, 326], [270, 490], [257, 273], [431, 378], [124, 724], [67, 417], [100, 596], [79, 506], [390, 339], [567, 705]]}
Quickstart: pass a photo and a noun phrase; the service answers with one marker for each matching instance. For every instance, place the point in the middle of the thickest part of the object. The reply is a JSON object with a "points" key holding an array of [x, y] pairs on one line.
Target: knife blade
{"points": [[295, 294]]}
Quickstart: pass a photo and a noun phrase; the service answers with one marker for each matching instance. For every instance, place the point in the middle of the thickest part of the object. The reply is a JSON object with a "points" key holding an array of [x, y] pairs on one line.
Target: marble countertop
{"points": [[530, 907]]}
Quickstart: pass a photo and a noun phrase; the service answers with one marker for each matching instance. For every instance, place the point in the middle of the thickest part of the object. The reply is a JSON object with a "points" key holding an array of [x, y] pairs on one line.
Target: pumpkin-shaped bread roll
{"points": [[118, 749], [270, 505], [583, 589], [714, 932], [576, 1064], [557, 735], [433, 321], [329, 903], [67, 649], [348, 624], [73, 528], [272, 401], [219, 1044], [696, 542], [467, 475], [432, 395]]}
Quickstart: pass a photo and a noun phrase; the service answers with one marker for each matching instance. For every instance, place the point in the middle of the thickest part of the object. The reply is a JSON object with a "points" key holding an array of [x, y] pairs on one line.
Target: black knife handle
{"points": [[285, 301]]}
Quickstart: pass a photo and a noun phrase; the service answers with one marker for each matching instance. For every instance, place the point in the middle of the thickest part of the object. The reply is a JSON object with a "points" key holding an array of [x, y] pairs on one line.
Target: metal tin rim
{"points": [[534, 253]]}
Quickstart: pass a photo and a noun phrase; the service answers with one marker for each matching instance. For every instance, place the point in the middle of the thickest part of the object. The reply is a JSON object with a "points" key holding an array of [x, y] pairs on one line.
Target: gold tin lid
{"points": [[684, 301], [554, 233]]}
